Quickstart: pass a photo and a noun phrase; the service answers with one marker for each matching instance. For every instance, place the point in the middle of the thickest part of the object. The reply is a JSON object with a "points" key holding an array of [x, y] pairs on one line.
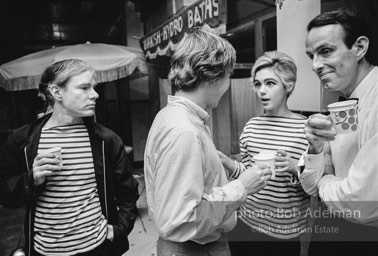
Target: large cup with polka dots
{"points": [[344, 116]]}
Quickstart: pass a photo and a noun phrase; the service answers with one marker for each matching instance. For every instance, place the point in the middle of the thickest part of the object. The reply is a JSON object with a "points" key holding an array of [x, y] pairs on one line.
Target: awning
{"points": [[163, 40]]}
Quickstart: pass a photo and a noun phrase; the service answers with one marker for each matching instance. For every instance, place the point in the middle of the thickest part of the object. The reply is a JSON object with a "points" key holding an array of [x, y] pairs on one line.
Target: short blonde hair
{"points": [[59, 73], [281, 63], [201, 56]]}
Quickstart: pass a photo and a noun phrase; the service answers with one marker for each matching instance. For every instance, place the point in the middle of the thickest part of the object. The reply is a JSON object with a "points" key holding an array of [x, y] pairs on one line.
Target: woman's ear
{"points": [[56, 92], [289, 88], [361, 46]]}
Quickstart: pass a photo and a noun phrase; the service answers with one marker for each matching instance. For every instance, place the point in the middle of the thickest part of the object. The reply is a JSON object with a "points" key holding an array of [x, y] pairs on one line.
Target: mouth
{"points": [[92, 106], [264, 100], [324, 76]]}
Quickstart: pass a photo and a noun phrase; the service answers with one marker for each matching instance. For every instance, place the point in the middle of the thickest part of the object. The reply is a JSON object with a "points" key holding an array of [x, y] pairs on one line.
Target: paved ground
{"points": [[11, 224], [144, 235], [142, 239]]}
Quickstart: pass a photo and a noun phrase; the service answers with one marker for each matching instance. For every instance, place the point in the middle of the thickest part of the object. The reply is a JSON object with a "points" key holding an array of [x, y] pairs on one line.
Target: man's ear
{"points": [[56, 92], [361, 46]]}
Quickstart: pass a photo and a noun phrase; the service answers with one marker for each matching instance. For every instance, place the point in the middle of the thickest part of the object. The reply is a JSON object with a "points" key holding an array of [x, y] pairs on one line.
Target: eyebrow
{"points": [[84, 84], [267, 79]]}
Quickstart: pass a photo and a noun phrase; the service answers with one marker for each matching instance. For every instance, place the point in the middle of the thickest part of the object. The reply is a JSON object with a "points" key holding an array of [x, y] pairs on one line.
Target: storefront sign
{"points": [[163, 40]]}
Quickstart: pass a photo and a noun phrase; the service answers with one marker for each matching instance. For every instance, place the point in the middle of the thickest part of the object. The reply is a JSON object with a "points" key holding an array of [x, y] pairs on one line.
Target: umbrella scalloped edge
{"points": [[136, 69], [20, 83]]}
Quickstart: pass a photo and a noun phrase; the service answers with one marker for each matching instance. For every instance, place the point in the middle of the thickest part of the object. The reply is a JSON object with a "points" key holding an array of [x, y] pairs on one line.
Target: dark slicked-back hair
{"points": [[353, 24]]}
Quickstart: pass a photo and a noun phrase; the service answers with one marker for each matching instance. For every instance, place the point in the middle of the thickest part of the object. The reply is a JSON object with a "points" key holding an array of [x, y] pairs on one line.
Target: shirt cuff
{"points": [[235, 191], [237, 171], [313, 168], [313, 161], [323, 181]]}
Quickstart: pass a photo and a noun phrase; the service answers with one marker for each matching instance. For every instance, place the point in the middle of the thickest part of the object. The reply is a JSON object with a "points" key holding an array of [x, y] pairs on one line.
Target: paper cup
{"points": [[267, 159], [344, 116], [268, 152], [57, 151]]}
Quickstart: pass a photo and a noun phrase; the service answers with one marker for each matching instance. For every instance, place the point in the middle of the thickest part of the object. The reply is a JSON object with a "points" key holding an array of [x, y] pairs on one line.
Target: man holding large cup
{"points": [[342, 166]]}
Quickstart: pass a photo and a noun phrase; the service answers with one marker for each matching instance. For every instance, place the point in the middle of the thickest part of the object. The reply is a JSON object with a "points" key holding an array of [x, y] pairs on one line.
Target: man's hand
{"points": [[255, 178], [110, 233], [44, 166], [318, 131]]}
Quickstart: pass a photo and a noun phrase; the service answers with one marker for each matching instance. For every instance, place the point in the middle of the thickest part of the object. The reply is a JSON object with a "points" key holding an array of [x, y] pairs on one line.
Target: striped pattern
{"points": [[278, 209], [68, 218]]}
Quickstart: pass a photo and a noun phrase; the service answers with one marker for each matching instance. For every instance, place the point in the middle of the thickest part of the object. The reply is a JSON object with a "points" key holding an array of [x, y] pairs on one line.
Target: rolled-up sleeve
{"points": [[240, 167], [181, 208], [359, 190]]}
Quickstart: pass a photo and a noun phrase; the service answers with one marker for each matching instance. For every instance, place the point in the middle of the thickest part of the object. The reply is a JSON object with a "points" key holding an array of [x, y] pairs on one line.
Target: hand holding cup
{"points": [[267, 158], [255, 178], [319, 130], [284, 162], [45, 163]]}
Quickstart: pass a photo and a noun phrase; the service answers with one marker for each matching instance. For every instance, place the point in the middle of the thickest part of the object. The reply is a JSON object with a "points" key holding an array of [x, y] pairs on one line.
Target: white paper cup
{"points": [[268, 152], [344, 116], [267, 159], [57, 151]]}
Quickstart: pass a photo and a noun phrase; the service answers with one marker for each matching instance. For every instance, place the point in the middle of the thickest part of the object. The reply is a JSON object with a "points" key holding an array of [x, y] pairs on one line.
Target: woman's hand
{"points": [[228, 163], [284, 162]]}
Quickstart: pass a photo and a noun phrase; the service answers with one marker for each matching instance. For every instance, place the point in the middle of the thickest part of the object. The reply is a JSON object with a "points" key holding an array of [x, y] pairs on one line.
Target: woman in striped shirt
{"points": [[276, 213]]}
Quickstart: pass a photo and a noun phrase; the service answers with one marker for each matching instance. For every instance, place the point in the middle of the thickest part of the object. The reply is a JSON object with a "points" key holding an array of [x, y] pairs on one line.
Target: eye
{"points": [[257, 84], [310, 55], [85, 87], [325, 52], [270, 83]]}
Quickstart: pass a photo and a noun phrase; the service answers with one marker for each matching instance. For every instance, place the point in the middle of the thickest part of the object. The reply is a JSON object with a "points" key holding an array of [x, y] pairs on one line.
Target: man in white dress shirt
{"points": [[343, 168], [189, 196]]}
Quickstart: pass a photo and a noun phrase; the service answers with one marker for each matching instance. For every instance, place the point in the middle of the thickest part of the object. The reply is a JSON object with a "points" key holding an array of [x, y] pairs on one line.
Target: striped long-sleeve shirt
{"points": [[280, 208], [68, 218]]}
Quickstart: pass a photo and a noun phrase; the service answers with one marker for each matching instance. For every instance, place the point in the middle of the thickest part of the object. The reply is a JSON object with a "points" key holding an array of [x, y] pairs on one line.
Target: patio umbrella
{"points": [[111, 62]]}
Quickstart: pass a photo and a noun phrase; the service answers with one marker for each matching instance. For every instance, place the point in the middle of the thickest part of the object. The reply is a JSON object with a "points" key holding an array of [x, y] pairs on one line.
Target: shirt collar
{"points": [[363, 88], [189, 105]]}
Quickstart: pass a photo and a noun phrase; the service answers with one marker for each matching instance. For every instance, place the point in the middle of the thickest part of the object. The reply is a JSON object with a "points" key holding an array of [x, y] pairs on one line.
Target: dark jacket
{"points": [[117, 189]]}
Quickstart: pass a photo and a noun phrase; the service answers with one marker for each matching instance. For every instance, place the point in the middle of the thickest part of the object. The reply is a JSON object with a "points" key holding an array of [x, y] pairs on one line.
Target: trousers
{"points": [[190, 248]]}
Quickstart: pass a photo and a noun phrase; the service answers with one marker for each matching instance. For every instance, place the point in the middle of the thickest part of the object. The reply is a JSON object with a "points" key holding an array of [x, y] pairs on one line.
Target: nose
{"points": [[262, 90], [317, 64], [94, 95]]}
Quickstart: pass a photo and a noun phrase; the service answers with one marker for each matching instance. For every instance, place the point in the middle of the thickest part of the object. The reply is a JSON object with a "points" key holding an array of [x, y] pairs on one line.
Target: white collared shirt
{"points": [[355, 160], [188, 193]]}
